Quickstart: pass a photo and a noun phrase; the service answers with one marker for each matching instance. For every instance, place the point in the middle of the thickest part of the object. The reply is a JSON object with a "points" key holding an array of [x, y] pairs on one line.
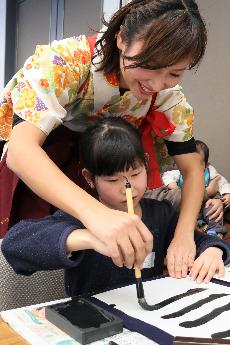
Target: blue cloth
{"points": [[206, 178], [34, 245]]}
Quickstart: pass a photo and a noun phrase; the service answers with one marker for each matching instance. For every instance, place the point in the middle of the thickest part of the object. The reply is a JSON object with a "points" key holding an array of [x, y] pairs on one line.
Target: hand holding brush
{"points": [[139, 283]]}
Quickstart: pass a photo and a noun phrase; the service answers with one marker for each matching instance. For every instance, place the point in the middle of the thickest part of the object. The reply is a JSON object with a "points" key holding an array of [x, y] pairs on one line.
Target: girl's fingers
{"points": [[221, 270], [210, 273], [203, 272], [195, 269]]}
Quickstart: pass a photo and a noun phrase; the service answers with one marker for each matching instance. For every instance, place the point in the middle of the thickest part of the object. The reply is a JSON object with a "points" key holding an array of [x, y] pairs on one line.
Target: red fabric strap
{"points": [[157, 122], [92, 41]]}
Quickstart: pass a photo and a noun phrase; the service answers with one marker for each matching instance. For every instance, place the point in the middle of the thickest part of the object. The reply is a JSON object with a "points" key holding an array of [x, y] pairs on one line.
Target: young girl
{"points": [[112, 153], [137, 65]]}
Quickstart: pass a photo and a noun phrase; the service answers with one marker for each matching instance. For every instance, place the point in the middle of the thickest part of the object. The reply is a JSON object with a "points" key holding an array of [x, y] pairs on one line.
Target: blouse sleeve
{"points": [[51, 79], [173, 103]]}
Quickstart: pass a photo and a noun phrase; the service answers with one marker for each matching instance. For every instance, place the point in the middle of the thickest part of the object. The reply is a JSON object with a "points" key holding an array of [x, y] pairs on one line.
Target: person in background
{"points": [[111, 154], [131, 70], [217, 188]]}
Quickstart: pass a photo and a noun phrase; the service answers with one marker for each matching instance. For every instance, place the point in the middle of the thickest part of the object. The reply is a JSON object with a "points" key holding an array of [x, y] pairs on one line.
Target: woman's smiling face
{"points": [[144, 83]]}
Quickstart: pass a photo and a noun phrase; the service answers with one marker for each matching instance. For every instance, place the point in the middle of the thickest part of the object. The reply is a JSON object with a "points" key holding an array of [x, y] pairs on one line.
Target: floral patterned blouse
{"points": [[59, 85]]}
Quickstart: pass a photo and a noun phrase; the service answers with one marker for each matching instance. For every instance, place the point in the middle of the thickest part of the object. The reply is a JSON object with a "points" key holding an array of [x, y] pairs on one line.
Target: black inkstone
{"points": [[83, 321]]}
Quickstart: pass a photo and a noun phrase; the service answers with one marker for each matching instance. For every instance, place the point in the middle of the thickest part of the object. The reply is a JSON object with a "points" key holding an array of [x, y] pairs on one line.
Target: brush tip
{"points": [[144, 305]]}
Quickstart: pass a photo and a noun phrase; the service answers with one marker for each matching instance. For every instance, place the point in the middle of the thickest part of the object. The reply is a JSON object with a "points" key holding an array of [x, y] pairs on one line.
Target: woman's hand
{"points": [[124, 238], [128, 241], [216, 209], [226, 199], [180, 256], [207, 265], [182, 249]]}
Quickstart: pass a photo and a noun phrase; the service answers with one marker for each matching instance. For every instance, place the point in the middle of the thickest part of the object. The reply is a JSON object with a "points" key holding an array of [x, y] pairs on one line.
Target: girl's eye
{"points": [[136, 174], [113, 180]]}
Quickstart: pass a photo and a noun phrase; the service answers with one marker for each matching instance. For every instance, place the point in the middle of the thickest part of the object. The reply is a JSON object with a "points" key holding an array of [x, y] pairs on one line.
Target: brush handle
{"points": [[129, 198]]}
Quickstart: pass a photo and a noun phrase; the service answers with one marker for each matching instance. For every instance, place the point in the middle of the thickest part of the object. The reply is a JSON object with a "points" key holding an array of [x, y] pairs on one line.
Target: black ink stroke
{"points": [[206, 318], [176, 298], [224, 334], [194, 306]]}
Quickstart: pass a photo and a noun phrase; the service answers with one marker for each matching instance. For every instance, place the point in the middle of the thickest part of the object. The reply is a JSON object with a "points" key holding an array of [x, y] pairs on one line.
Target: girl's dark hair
{"points": [[202, 147], [170, 30], [111, 145]]}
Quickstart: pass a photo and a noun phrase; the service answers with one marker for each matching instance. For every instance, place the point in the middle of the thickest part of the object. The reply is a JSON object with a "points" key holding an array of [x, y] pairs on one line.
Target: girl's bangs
{"points": [[117, 156]]}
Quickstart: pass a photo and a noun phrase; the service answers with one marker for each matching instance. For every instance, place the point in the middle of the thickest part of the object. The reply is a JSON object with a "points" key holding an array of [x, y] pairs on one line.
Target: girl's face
{"points": [[143, 83], [111, 189]]}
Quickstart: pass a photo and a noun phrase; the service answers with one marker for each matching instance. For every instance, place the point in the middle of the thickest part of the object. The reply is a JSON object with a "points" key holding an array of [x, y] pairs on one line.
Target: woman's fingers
{"points": [[146, 236], [180, 257], [128, 240], [136, 244], [141, 249]]}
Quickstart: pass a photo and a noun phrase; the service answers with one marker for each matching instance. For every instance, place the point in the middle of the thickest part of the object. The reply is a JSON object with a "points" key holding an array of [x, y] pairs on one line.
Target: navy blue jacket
{"points": [[34, 245]]}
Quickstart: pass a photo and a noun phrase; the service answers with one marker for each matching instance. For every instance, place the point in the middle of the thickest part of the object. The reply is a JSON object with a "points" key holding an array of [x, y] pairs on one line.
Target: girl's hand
{"points": [[207, 265], [82, 239], [180, 256], [128, 241], [216, 209], [226, 199]]}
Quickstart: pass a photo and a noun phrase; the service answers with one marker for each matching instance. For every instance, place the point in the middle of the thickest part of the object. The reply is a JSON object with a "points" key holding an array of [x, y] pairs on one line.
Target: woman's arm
{"points": [[128, 240], [181, 252]]}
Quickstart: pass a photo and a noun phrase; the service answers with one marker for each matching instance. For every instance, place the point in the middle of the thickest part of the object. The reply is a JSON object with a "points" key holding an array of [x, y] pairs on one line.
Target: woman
{"points": [[137, 64]]}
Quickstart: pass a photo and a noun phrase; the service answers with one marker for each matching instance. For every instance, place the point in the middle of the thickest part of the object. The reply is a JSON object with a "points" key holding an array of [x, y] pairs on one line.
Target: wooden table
{"points": [[8, 336]]}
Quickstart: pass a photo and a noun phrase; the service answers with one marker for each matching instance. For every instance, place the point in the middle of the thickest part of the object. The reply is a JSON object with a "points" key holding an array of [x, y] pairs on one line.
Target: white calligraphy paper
{"points": [[158, 290]]}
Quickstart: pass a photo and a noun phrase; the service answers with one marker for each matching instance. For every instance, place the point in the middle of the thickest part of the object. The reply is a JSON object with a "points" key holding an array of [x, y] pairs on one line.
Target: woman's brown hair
{"points": [[171, 30]]}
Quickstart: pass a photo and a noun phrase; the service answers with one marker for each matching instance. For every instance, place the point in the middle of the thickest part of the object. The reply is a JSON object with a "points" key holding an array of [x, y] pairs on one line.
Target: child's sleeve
{"points": [[170, 176], [33, 245], [223, 184]]}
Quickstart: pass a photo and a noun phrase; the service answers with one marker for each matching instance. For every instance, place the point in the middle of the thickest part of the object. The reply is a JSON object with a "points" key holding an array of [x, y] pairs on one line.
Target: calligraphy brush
{"points": [[139, 283]]}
